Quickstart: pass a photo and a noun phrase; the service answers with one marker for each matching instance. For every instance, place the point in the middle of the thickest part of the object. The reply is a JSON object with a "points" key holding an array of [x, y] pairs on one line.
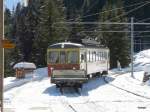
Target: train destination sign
{"points": [[7, 44]]}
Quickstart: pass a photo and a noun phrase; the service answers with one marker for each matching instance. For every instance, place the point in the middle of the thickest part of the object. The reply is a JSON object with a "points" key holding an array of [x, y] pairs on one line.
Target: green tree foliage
{"points": [[11, 55], [26, 23], [34, 27], [7, 29], [48, 30], [74, 13], [7, 22], [118, 43]]}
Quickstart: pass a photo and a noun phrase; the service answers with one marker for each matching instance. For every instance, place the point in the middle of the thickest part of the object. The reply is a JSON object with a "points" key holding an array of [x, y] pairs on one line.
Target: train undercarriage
{"points": [[76, 86], [75, 83]]}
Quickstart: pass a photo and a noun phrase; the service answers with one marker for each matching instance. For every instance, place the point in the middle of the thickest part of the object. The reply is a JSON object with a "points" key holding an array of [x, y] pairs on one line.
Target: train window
{"points": [[97, 57], [105, 55], [100, 56], [62, 57], [54, 57], [92, 56], [82, 57], [89, 56], [72, 57]]}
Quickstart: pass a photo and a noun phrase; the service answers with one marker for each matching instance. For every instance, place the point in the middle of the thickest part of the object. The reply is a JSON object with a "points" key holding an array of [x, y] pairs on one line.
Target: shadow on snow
{"points": [[95, 83]]}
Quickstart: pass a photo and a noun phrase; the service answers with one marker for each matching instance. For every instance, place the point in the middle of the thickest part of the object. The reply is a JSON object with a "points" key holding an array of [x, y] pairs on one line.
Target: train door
{"points": [[83, 60]]}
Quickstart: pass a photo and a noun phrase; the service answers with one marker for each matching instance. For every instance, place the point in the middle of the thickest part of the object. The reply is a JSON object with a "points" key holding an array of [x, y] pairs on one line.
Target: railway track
{"points": [[85, 103]]}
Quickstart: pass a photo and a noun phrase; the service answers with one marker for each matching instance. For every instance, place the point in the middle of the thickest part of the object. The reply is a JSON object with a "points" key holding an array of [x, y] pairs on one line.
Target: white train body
{"points": [[76, 68], [96, 60]]}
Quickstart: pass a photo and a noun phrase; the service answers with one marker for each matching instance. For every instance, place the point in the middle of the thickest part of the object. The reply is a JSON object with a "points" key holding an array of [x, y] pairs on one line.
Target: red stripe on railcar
{"points": [[62, 67]]}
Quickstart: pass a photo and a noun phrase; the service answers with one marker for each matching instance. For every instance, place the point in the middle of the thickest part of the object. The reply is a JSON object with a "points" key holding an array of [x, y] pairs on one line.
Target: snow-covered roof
{"points": [[24, 65]]}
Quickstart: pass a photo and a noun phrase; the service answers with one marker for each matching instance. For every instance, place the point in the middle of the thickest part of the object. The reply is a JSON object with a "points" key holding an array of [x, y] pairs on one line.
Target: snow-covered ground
{"points": [[122, 94], [11, 82]]}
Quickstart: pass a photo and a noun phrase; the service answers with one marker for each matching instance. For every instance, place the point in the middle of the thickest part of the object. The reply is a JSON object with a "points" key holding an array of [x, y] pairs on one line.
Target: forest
{"points": [[42, 22]]}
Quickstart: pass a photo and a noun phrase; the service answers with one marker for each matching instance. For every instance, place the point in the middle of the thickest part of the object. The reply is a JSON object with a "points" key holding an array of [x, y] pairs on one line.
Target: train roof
{"points": [[77, 44], [66, 45], [72, 45]]}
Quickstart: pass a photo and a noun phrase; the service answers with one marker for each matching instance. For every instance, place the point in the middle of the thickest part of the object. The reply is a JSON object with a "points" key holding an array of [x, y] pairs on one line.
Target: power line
{"points": [[117, 31], [142, 42], [142, 36], [130, 11], [143, 20], [135, 4], [104, 23]]}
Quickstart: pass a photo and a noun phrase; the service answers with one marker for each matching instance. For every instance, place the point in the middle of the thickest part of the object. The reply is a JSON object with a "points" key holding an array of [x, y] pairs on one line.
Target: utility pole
{"points": [[132, 45], [1, 55]]}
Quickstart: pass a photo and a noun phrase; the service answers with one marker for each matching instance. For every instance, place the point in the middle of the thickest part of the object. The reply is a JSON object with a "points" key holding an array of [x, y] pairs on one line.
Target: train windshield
{"points": [[63, 57], [72, 57], [54, 57]]}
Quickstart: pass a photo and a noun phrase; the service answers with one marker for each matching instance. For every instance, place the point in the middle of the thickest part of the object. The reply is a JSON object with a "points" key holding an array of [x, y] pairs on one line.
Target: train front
{"points": [[63, 61]]}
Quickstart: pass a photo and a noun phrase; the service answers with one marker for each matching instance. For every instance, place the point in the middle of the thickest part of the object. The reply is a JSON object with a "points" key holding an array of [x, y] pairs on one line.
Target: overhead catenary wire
{"points": [[132, 5], [111, 18], [130, 11], [144, 20], [109, 23], [142, 43], [142, 36], [121, 31]]}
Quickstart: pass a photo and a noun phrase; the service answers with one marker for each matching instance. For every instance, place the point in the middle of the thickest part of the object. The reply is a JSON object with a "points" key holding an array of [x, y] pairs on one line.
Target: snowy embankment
{"points": [[39, 95], [135, 84], [127, 83], [141, 59], [11, 82]]}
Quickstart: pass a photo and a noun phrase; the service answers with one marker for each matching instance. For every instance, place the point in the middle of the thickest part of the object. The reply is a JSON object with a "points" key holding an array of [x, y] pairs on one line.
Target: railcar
{"points": [[72, 64]]}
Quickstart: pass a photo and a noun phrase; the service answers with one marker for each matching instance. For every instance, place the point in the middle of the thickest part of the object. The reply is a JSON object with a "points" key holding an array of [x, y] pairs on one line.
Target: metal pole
{"points": [[132, 46], [1, 55]]}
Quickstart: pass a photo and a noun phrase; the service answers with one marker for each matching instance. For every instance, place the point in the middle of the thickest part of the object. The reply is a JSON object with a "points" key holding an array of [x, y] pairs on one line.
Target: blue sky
{"points": [[11, 3]]}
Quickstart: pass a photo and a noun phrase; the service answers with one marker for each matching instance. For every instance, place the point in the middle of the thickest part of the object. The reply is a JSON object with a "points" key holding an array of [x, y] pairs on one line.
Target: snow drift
{"points": [[141, 59]]}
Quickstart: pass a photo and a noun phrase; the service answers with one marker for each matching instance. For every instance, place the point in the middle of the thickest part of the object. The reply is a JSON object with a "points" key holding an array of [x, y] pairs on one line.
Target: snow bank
{"points": [[11, 82], [141, 59], [147, 68], [148, 83], [141, 63], [24, 65], [133, 85]]}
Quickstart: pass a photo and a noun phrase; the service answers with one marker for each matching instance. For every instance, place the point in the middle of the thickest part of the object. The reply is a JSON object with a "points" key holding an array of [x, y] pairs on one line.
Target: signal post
{"points": [[1, 55]]}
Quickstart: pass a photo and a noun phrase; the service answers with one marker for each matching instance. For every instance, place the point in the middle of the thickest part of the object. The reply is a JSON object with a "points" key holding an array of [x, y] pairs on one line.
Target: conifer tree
{"points": [[118, 43], [7, 52], [48, 31]]}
